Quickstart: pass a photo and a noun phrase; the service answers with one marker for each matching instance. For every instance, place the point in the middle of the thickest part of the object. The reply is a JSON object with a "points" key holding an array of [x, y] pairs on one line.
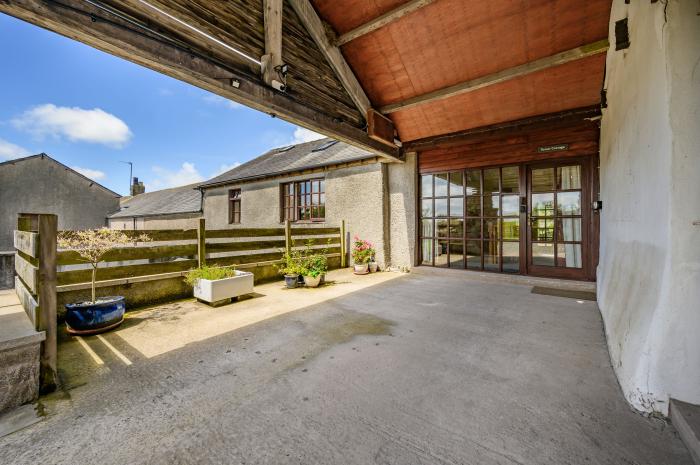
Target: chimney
{"points": [[137, 187]]}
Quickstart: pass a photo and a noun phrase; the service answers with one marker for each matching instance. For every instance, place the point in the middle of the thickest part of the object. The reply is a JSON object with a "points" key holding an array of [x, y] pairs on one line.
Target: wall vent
{"points": [[622, 35]]}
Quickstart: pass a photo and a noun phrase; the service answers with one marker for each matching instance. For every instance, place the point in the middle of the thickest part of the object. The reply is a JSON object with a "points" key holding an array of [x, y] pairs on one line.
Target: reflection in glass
{"points": [[542, 230], [569, 229], [491, 229], [473, 228], [511, 205], [569, 255], [427, 251], [491, 178], [427, 228], [456, 187], [474, 182], [440, 207], [456, 227], [511, 228], [441, 185], [511, 256], [457, 206], [426, 185], [474, 254], [569, 203], [542, 204], [542, 254], [441, 253], [441, 227], [456, 254], [491, 205], [426, 208], [542, 179], [510, 181], [491, 256], [474, 206], [569, 177]]}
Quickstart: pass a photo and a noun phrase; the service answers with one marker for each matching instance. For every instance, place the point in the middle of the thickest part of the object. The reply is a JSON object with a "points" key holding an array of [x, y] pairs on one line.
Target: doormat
{"points": [[578, 295]]}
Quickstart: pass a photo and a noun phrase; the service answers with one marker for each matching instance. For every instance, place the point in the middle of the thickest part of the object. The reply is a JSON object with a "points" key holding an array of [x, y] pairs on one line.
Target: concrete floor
{"points": [[426, 368]]}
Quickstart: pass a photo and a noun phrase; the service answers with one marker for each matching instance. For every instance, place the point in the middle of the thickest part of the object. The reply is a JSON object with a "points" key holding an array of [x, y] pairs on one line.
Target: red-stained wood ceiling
{"points": [[452, 41]]}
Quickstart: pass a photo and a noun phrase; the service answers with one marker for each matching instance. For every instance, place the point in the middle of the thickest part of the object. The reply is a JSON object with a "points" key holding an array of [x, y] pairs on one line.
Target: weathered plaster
{"points": [[178, 221], [402, 211]]}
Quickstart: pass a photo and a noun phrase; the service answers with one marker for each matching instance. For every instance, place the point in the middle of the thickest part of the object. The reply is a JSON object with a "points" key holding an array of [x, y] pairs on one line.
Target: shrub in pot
{"points": [[291, 268], [362, 253], [96, 315], [315, 268], [217, 285]]}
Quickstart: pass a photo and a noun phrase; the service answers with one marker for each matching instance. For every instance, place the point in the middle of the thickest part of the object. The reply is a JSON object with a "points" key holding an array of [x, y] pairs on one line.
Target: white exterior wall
{"points": [[402, 211], [353, 194], [182, 221], [649, 271]]}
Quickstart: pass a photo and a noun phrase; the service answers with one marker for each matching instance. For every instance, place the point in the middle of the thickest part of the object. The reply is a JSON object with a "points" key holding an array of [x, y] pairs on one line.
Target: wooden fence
{"points": [[35, 285]]}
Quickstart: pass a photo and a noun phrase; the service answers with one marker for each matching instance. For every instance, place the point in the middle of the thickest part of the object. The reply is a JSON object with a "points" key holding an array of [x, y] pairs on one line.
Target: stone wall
{"points": [[19, 375], [179, 221], [7, 270]]}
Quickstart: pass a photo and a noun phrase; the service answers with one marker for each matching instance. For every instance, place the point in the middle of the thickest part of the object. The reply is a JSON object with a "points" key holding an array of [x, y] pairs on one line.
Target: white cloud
{"points": [[305, 135], [77, 124], [8, 150], [224, 168], [88, 173], [218, 100], [187, 174]]}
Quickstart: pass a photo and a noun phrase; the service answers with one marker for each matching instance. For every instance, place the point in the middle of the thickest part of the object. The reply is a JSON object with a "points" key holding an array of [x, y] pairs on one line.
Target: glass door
{"points": [[556, 220]]}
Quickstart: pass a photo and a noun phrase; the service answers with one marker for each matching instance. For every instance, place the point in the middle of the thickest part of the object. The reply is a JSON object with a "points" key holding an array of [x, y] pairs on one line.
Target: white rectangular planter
{"points": [[222, 289]]}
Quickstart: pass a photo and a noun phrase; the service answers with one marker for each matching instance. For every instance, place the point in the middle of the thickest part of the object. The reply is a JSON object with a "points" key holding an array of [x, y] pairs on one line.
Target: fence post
{"points": [[287, 237], [201, 243], [343, 257], [48, 228]]}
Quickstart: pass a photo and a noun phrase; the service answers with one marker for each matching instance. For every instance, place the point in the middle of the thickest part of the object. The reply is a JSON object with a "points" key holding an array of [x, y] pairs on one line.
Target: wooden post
{"points": [[273, 40], [343, 255], [201, 243], [48, 228], [24, 223], [287, 237]]}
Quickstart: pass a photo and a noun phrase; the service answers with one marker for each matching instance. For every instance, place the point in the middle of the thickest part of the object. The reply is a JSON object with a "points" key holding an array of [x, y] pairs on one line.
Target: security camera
{"points": [[278, 85]]}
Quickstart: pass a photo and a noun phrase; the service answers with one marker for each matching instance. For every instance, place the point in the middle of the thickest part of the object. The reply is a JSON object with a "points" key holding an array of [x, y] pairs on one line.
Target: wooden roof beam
{"points": [[383, 20], [272, 60], [501, 76]]}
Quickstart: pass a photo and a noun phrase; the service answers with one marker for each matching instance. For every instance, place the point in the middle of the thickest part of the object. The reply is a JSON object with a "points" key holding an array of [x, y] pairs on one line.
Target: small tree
{"points": [[92, 245]]}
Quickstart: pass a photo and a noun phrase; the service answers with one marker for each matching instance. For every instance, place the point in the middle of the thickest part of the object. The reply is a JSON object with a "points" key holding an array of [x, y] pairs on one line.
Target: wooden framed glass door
{"points": [[557, 220]]}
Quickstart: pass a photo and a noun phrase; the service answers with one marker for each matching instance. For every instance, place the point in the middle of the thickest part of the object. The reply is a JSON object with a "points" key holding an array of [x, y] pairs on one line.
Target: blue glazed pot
{"points": [[292, 281], [89, 318]]}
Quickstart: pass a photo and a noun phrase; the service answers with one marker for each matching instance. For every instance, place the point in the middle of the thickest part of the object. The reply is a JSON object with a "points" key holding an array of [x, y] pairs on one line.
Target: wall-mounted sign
{"points": [[552, 148]]}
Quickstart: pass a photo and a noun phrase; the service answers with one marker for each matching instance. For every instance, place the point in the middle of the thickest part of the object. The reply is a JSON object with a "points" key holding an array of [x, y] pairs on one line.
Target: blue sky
{"points": [[90, 110]]}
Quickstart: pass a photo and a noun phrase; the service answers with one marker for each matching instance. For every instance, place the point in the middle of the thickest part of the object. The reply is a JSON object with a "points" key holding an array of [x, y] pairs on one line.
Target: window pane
{"points": [[442, 228], [491, 207], [302, 188], [440, 207], [427, 251], [569, 177], [323, 198], [569, 203], [474, 182], [542, 230], [491, 177], [510, 181], [543, 254], [456, 228], [427, 228], [491, 229], [542, 179], [474, 254], [511, 205], [491, 256], [426, 185], [456, 187], [441, 253], [569, 255], [474, 206], [542, 204], [441, 185], [474, 228], [511, 257], [323, 185], [456, 254], [322, 212], [511, 229], [569, 229], [457, 206], [426, 207]]}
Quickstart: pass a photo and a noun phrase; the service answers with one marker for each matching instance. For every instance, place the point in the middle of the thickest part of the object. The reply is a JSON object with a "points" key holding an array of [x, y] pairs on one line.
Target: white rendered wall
{"points": [[649, 271]]}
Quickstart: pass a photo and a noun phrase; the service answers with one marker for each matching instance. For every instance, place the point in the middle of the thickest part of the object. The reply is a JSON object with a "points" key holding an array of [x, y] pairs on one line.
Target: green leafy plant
{"points": [[362, 251], [293, 263], [211, 273], [92, 245], [316, 265]]}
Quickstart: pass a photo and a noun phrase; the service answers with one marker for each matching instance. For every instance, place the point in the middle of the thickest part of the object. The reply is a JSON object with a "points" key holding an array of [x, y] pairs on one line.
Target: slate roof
{"points": [[185, 199], [289, 159]]}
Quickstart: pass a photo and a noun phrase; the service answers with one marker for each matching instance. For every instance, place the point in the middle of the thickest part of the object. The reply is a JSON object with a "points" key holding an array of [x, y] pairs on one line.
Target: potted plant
{"points": [[217, 285], [362, 253], [291, 268], [96, 315], [314, 268], [373, 266]]}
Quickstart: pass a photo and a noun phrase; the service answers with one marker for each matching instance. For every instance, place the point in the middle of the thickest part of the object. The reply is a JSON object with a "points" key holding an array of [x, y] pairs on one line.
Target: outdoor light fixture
{"points": [[235, 83]]}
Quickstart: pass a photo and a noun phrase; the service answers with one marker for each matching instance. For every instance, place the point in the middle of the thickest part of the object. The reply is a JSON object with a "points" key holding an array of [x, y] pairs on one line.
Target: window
{"points": [[304, 200], [234, 206]]}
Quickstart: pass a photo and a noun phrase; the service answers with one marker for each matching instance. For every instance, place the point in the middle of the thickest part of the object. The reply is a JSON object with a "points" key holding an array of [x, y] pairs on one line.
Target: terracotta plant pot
{"points": [[310, 281], [361, 268]]}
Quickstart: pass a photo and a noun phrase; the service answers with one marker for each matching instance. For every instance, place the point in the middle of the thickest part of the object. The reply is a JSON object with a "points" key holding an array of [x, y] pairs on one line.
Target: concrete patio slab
{"points": [[425, 368]]}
